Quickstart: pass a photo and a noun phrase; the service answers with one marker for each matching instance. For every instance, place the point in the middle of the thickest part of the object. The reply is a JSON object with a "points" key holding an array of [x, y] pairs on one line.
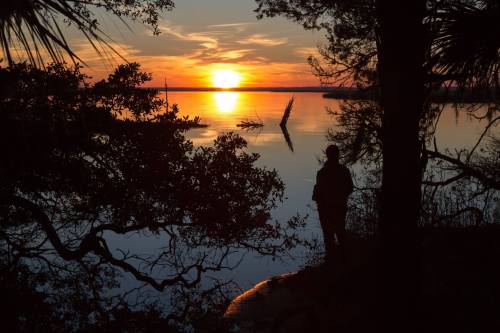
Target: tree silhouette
{"points": [[400, 52], [85, 164], [464, 44]]}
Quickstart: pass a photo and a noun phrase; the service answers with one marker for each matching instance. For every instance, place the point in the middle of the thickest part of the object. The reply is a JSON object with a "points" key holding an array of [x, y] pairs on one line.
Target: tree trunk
{"points": [[401, 56]]}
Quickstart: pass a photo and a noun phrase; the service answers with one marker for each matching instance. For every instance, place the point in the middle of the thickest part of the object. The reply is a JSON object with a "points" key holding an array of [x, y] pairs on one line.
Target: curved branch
{"points": [[486, 129], [103, 251], [87, 245], [93, 243], [466, 169], [445, 182]]}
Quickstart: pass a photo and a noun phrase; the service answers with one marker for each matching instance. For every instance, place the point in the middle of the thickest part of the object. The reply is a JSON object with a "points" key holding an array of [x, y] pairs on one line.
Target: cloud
{"points": [[187, 58], [239, 24], [239, 27], [232, 54], [194, 69], [306, 51], [205, 39], [263, 40]]}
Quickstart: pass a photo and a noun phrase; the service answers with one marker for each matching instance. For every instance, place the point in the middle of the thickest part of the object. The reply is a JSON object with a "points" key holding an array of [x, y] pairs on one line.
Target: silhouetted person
{"points": [[332, 189]]}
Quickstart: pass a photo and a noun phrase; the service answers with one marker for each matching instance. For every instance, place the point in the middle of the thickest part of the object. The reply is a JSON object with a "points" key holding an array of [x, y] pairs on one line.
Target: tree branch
{"points": [[467, 169]]}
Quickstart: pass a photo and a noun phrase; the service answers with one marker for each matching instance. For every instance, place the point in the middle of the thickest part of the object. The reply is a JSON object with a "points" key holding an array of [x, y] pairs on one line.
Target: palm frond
{"points": [[30, 28], [466, 48], [34, 29]]}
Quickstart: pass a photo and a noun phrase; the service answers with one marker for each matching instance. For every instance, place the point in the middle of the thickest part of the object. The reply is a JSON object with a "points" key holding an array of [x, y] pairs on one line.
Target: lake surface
{"points": [[307, 127]]}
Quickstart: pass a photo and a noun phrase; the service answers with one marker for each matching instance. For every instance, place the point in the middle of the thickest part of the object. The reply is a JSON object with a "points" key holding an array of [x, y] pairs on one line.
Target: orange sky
{"points": [[200, 37]]}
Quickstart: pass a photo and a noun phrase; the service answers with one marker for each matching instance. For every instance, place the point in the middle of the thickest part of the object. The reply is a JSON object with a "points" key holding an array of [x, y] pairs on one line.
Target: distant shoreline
{"points": [[254, 89], [442, 95], [439, 96]]}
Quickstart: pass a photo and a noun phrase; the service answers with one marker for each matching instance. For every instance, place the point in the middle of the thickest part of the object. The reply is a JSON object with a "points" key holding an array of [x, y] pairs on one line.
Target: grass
{"points": [[250, 124]]}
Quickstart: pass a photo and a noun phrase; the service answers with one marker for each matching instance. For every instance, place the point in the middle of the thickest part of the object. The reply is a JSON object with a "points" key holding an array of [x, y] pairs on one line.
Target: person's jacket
{"points": [[333, 185]]}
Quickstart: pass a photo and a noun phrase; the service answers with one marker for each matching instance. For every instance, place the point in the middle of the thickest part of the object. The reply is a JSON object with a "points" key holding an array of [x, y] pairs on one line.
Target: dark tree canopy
{"points": [[465, 45], [462, 46], [350, 32], [462, 49], [85, 163]]}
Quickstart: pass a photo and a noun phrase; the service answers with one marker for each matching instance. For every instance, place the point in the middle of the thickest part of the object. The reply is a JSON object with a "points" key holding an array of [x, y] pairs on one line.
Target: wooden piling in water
{"points": [[287, 112]]}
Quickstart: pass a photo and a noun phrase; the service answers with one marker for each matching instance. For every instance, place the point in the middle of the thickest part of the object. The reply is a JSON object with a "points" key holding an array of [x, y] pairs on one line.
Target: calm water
{"points": [[307, 128]]}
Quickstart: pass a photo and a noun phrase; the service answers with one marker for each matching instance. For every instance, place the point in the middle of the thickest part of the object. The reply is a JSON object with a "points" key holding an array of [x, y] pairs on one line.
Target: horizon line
{"points": [[243, 89]]}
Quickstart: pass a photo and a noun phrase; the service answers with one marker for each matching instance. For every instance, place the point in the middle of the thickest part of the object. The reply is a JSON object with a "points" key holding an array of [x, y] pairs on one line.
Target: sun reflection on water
{"points": [[226, 101]]}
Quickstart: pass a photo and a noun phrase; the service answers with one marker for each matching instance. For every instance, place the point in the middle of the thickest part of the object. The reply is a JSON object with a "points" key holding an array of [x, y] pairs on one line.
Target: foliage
{"points": [[458, 50], [86, 165], [465, 48], [35, 25], [462, 50], [350, 30]]}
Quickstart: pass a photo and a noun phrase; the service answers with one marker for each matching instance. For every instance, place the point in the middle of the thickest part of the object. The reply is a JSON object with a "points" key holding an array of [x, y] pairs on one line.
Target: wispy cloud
{"points": [[306, 51], [205, 39], [232, 54], [187, 55], [239, 26], [262, 39]]}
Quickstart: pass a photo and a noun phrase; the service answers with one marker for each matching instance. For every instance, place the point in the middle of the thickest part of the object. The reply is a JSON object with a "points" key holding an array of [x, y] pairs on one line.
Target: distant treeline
{"points": [[443, 95], [243, 89]]}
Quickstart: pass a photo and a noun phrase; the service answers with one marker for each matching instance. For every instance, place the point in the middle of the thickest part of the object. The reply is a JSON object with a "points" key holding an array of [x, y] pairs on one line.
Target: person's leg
{"points": [[328, 233], [340, 226], [339, 222]]}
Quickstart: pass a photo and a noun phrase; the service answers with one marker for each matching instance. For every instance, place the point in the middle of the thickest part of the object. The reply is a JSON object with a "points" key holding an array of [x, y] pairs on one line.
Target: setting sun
{"points": [[226, 79]]}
